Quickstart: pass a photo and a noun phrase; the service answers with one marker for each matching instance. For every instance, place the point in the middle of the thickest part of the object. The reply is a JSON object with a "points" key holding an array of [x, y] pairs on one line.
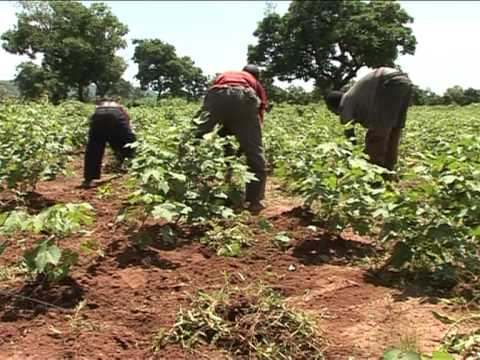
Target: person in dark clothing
{"points": [[109, 124], [379, 102], [237, 101]]}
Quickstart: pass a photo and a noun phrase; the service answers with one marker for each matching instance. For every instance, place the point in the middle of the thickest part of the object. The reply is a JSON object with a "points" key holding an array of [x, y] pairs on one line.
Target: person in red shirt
{"points": [[237, 101], [109, 124]]}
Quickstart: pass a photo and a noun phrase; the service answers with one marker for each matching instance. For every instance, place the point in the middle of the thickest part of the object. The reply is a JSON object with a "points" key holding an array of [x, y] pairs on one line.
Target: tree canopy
{"points": [[34, 82], [77, 43], [161, 70], [329, 41]]}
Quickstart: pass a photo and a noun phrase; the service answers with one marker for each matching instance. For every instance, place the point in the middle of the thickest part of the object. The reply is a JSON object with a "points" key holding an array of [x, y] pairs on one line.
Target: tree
{"points": [[425, 97], [471, 96], [454, 95], [329, 41], [34, 82], [161, 70], [78, 43], [8, 90], [111, 77]]}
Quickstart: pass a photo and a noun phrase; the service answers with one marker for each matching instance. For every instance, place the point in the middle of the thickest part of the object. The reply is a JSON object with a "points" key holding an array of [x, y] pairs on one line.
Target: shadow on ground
{"points": [[144, 258], [37, 298], [331, 249], [164, 237], [34, 203], [414, 284]]}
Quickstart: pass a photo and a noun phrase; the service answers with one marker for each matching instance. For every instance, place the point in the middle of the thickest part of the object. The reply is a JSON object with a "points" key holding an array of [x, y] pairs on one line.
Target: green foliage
{"points": [[397, 354], [8, 91], [124, 90], [162, 70], [78, 44], [455, 95], [60, 220], [428, 219], [36, 83], [333, 176], [54, 223], [401, 355], [465, 343], [329, 41], [228, 239], [425, 97], [46, 258], [36, 141], [177, 177], [282, 240], [437, 219], [252, 322], [63, 220]]}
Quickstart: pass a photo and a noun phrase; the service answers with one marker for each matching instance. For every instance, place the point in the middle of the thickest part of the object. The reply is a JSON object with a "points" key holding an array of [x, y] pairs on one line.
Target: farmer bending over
{"points": [[237, 101], [110, 123], [379, 102]]}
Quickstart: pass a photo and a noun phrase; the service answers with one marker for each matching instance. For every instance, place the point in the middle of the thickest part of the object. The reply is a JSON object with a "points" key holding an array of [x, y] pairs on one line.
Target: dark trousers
{"points": [[236, 109], [106, 127], [382, 141], [382, 146]]}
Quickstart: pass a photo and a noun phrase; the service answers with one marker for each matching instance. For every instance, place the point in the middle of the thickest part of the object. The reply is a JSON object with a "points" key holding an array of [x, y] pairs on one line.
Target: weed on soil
{"points": [[250, 322]]}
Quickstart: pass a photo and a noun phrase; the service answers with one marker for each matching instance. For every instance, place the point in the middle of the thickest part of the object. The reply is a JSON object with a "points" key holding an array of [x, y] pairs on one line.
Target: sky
{"points": [[215, 34]]}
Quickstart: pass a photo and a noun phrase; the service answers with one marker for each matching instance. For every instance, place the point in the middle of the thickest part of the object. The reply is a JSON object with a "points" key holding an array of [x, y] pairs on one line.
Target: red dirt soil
{"points": [[130, 294]]}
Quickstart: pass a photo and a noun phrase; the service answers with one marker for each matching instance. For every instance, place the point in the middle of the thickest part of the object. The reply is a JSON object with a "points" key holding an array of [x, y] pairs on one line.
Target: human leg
{"points": [[94, 152], [376, 145], [391, 156], [244, 123]]}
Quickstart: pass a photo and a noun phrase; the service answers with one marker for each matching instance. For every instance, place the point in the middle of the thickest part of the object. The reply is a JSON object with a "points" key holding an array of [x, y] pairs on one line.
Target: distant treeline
{"points": [[455, 95], [129, 94], [325, 42]]}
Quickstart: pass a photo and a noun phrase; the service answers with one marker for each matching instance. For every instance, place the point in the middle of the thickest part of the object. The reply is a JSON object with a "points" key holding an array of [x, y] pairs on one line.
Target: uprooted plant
{"points": [[250, 322]]}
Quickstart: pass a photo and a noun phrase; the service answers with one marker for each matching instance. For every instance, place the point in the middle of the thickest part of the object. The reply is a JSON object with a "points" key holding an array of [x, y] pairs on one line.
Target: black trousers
{"points": [[106, 126]]}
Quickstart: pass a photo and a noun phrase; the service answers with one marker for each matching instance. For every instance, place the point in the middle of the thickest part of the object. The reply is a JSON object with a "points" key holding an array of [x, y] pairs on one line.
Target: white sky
{"points": [[215, 34]]}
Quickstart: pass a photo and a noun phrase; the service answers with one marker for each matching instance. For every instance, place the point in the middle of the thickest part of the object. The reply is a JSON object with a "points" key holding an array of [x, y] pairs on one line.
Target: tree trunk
{"points": [[80, 92]]}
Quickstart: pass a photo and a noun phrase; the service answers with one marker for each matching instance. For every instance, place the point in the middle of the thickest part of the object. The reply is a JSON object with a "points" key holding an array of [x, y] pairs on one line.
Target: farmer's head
{"points": [[332, 100], [252, 69]]}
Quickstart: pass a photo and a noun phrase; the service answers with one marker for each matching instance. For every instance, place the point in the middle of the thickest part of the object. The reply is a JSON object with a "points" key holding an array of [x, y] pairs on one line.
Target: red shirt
{"points": [[245, 79]]}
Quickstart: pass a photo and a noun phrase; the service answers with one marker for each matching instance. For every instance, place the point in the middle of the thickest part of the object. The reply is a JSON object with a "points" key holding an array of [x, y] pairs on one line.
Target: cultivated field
{"points": [[161, 262]]}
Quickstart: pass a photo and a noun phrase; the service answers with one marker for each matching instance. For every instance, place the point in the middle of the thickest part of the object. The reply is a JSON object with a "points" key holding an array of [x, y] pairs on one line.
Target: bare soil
{"points": [[130, 294]]}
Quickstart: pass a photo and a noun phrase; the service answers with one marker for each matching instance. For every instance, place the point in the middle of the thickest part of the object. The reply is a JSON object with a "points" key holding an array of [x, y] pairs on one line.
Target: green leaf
{"points": [[264, 224], [47, 255], [282, 240], [443, 318], [227, 213], [179, 177], [401, 255], [3, 217], [88, 246], [396, 354], [230, 250], [165, 212], [448, 179], [442, 355]]}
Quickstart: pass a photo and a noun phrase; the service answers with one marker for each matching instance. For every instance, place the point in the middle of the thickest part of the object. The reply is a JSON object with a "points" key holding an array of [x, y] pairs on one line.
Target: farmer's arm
{"points": [[262, 94]]}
